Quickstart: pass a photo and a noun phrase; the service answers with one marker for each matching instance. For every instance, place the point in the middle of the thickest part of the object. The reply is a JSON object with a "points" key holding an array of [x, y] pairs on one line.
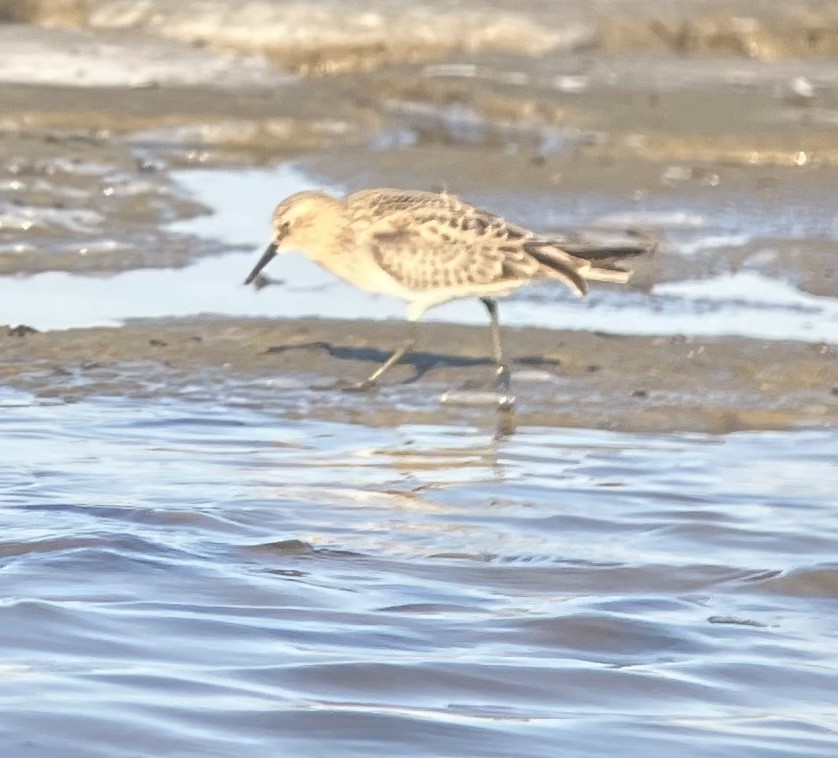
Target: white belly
{"points": [[365, 274]]}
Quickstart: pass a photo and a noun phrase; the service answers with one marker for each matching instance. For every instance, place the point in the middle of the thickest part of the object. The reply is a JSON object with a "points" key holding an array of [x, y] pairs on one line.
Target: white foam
{"points": [[713, 242], [380, 25], [83, 58], [675, 219], [24, 218]]}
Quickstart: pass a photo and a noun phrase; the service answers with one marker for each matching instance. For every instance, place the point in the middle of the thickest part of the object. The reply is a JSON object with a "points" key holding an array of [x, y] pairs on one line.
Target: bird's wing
{"points": [[432, 241], [382, 202]]}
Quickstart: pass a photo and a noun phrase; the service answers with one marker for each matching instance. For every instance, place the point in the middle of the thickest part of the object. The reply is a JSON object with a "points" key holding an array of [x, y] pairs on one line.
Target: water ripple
{"points": [[212, 580]]}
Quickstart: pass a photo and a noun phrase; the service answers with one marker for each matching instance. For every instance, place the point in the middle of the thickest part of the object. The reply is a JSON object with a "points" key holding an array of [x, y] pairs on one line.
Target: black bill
{"points": [[269, 253]]}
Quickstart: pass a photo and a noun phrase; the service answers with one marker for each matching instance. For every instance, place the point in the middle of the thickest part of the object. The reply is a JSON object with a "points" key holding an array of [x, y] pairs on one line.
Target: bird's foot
{"points": [[503, 401], [345, 386], [506, 401], [364, 386], [502, 379]]}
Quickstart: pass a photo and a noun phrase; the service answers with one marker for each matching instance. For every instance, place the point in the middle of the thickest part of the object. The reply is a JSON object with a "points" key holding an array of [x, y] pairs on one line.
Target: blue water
{"points": [[204, 578]]}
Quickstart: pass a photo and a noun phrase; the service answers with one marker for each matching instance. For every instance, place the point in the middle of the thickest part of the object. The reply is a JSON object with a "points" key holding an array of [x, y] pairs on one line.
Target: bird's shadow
{"points": [[421, 361]]}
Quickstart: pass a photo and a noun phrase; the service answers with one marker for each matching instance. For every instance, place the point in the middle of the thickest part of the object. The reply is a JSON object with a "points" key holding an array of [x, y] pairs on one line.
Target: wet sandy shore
{"points": [[561, 378]]}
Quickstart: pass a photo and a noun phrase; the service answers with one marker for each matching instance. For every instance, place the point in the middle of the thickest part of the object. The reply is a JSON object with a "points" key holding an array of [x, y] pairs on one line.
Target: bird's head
{"points": [[297, 222]]}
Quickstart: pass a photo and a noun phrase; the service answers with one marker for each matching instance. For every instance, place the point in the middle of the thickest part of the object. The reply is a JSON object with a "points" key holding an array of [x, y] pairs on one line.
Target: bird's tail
{"points": [[579, 261]]}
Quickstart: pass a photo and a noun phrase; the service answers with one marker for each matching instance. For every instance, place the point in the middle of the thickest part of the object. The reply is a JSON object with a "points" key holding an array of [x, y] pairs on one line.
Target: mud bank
{"points": [[561, 378]]}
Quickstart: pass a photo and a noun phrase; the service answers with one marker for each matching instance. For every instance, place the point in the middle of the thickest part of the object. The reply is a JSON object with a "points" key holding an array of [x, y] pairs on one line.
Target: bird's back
{"points": [[431, 241], [427, 240], [384, 201]]}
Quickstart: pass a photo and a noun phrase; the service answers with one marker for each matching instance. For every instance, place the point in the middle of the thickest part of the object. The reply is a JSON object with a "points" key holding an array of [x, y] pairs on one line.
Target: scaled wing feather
{"points": [[429, 241]]}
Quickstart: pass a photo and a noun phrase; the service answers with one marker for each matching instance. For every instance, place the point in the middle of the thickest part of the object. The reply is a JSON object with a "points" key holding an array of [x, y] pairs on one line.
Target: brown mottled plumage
{"points": [[430, 248]]}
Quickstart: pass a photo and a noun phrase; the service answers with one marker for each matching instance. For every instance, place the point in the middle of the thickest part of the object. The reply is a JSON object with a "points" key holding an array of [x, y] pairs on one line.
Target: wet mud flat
{"points": [[561, 378]]}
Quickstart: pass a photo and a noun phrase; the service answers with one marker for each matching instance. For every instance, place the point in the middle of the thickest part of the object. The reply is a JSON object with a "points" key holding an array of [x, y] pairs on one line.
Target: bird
{"points": [[428, 248]]}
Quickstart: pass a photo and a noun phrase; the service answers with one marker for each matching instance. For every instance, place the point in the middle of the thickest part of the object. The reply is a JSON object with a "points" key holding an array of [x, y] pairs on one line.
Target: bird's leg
{"points": [[397, 355], [500, 397], [501, 371]]}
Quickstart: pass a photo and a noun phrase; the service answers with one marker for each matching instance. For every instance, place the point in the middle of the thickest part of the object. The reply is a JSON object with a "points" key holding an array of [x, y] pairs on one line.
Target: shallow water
{"points": [[192, 578]]}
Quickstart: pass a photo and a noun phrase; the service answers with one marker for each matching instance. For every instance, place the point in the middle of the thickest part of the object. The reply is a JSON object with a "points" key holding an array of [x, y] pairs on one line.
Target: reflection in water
{"points": [[209, 579]]}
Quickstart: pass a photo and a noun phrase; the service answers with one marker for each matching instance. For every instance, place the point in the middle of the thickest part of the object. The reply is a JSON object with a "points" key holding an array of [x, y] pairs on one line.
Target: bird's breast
{"points": [[362, 271]]}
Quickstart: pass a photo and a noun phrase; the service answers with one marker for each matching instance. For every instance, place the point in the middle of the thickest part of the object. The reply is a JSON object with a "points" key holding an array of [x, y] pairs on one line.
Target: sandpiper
{"points": [[429, 248]]}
